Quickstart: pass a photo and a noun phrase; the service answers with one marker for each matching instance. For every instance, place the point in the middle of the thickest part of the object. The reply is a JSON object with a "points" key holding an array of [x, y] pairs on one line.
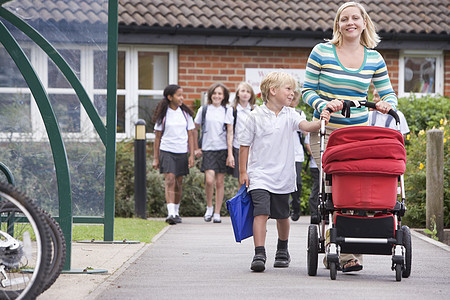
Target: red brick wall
{"points": [[391, 58], [201, 66], [447, 73]]}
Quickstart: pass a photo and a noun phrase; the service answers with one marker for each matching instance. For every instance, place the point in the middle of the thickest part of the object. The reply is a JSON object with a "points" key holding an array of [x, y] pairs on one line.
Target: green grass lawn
{"points": [[131, 229]]}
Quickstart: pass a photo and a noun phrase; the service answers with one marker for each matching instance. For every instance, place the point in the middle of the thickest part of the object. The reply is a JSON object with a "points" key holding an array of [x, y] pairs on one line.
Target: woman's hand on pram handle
{"points": [[383, 107], [334, 105]]}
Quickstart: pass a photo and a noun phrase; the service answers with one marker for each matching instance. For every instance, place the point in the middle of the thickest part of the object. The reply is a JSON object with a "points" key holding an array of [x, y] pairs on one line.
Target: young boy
{"points": [[267, 164]]}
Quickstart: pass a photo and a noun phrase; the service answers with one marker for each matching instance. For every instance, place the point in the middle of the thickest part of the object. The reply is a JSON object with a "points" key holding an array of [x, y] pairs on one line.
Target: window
{"points": [[143, 73], [17, 103], [421, 73]]}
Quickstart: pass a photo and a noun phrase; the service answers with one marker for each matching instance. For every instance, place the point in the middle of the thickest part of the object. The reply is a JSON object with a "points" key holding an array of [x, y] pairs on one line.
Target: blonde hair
{"points": [[275, 80], [247, 86], [369, 36]]}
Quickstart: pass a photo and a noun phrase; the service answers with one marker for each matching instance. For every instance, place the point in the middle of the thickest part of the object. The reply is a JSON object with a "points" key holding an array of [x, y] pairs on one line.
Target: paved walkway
{"points": [[198, 260]]}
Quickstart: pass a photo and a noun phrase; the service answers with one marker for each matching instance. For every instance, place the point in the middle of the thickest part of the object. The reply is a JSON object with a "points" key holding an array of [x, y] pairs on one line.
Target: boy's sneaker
{"points": [[171, 220], [282, 259], [258, 263], [217, 220]]}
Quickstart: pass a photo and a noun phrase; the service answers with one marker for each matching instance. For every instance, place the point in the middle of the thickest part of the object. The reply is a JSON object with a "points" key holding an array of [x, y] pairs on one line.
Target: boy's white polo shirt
{"points": [[215, 126], [271, 162], [175, 135]]}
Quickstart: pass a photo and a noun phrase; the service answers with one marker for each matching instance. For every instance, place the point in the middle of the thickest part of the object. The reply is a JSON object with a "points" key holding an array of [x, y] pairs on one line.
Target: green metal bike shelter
{"points": [[106, 133]]}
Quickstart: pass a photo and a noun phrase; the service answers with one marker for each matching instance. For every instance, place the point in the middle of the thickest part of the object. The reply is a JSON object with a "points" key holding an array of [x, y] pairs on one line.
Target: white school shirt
{"points": [[271, 157], [175, 136], [241, 116], [312, 162], [298, 148], [381, 121], [215, 127]]}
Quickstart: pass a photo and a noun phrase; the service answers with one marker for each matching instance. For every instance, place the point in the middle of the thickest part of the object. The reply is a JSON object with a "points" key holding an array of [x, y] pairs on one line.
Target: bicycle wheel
{"points": [[24, 245], [58, 247]]}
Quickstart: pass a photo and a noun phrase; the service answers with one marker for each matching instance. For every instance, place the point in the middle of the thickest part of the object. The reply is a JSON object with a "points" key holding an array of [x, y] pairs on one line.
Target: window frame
{"points": [[439, 72], [39, 60], [132, 91]]}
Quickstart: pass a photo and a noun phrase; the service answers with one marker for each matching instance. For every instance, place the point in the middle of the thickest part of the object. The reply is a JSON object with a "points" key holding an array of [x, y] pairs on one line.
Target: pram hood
{"points": [[365, 150]]}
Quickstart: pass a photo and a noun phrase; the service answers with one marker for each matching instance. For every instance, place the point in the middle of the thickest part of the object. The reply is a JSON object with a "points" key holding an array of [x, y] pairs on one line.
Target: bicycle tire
{"points": [[24, 265], [58, 257]]}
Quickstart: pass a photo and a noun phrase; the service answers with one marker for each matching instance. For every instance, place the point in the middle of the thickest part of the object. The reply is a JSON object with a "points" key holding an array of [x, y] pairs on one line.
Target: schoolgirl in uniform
{"points": [[215, 121], [174, 146], [244, 103]]}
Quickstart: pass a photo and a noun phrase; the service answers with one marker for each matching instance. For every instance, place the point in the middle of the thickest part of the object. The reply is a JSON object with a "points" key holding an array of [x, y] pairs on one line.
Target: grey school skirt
{"points": [[175, 163], [214, 160]]}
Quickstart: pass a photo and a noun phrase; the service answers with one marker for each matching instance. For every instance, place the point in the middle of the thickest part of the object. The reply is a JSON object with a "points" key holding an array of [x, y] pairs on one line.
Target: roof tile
{"points": [[408, 16]]}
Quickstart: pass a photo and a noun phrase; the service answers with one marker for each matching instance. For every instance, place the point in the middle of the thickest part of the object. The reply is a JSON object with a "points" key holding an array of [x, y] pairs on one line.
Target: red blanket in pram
{"points": [[365, 162]]}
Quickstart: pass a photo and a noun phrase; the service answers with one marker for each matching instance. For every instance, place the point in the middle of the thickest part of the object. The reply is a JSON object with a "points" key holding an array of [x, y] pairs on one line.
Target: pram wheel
{"points": [[333, 270], [313, 250], [408, 251], [398, 272]]}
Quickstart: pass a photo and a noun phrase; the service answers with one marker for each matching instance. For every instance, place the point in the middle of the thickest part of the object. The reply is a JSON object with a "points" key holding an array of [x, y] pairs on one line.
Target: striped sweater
{"points": [[326, 79]]}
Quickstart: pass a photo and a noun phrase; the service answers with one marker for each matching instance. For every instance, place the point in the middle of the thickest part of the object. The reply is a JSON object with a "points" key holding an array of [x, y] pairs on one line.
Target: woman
{"points": [[342, 69], [174, 134]]}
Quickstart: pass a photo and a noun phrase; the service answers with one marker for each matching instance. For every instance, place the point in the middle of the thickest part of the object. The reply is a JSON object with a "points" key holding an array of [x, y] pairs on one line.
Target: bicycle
{"points": [[25, 245]]}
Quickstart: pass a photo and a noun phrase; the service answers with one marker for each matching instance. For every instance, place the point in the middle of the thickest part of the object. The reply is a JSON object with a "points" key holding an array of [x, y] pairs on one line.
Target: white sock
{"points": [[216, 216], [209, 210], [177, 209], [171, 209]]}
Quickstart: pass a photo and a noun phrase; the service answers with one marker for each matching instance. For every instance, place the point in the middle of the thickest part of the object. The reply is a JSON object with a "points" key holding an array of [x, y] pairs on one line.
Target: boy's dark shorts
{"points": [[267, 203]]}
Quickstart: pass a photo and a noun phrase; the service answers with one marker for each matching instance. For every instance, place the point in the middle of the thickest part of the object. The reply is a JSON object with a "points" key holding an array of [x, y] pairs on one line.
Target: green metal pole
{"points": [[111, 121], [54, 134]]}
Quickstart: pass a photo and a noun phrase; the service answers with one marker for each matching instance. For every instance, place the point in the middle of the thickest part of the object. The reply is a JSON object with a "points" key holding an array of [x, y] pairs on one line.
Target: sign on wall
{"points": [[254, 76]]}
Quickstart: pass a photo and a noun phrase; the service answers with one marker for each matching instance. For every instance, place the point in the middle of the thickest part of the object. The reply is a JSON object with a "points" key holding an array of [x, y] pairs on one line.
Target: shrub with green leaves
{"points": [[423, 114], [193, 201]]}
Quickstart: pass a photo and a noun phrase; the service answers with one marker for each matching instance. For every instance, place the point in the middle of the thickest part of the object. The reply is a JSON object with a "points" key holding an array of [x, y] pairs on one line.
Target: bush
{"points": [[193, 201], [423, 114]]}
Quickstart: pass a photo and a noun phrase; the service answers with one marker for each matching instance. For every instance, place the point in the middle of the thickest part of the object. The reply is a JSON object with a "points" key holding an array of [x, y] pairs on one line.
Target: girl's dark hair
{"points": [[226, 93], [161, 109]]}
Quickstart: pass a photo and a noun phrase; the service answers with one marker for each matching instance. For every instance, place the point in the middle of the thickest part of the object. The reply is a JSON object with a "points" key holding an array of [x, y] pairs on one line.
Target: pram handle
{"points": [[348, 104], [368, 104]]}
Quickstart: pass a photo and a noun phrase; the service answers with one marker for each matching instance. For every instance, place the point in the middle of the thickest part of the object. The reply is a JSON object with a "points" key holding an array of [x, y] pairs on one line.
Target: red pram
{"points": [[363, 167]]}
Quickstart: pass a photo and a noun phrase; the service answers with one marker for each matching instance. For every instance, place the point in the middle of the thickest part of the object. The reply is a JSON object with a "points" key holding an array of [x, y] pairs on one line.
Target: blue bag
{"points": [[241, 213]]}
